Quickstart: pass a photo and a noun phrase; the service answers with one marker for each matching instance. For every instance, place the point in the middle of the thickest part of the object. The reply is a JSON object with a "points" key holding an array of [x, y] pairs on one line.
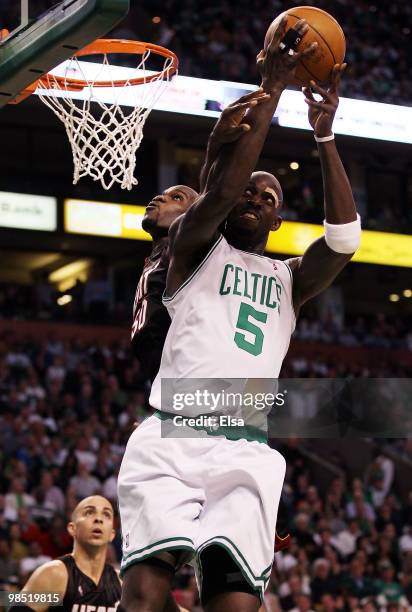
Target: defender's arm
{"points": [[229, 127]]}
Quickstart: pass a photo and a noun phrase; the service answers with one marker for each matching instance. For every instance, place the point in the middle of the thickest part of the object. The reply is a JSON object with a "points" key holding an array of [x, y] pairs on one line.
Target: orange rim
{"points": [[113, 45]]}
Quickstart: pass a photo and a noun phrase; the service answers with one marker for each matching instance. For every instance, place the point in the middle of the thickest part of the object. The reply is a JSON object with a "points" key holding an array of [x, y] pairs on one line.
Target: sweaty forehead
{"points": [[267, 182], [94, 502], [187, 191]]}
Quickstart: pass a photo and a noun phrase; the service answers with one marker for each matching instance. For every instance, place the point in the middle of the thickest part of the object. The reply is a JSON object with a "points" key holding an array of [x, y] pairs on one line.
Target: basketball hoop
{"points": [[104, 137]]}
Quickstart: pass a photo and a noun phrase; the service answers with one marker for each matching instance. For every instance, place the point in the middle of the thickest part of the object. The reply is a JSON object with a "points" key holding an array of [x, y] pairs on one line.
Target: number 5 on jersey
{"points": [[246, 313]]}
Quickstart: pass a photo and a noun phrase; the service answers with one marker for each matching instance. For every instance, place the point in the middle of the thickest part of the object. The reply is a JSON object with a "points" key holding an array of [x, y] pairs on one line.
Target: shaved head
{"points": [[92, 501], [166, 207], [191, 193], [91, 523], [255, 214], [273, 187]]}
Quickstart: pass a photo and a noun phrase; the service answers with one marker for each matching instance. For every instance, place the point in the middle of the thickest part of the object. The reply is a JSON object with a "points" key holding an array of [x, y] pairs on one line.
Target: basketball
{"points": [[323, 29]]}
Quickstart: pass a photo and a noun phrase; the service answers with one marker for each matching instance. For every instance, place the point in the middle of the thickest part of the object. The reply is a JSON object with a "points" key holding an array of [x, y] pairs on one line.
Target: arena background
{"points": [[70, 390]]}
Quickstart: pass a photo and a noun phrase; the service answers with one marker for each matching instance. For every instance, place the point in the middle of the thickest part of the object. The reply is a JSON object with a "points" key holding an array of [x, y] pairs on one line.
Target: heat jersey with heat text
{"points": [[150, 318], [83, 595]]}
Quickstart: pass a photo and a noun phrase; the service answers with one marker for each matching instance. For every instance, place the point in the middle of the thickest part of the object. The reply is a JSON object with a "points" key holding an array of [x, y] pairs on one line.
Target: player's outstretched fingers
{"points": [[252, 95], [326, 95], [308, 52], [278, 35], [301, 27], [260, 58], [307, 92], [318, 105], [323, 106], [238, 131], [337, 72], [233, 109]]}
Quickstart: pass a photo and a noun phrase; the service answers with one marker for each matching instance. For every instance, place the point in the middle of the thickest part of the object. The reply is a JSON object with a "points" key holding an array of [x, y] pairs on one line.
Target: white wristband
{"points": [[345, 237], [325, 138]]}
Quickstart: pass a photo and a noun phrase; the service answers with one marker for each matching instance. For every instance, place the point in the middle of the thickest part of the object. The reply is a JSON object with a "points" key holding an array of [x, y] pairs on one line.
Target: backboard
{"points": [[39, 34]]}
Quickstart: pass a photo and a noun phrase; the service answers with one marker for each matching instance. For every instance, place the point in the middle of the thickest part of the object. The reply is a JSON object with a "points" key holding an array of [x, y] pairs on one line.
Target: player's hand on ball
{"points": [[321, 114], [230, 125], [276, 66]]}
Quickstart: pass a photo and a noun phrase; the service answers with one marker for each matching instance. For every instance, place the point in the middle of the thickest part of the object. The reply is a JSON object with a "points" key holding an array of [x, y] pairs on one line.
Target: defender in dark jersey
{"points": [[150, 318], [83, 579]]}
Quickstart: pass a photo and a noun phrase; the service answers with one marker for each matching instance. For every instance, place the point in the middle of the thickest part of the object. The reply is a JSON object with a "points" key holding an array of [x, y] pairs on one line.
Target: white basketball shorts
{"points": [[190, 493]]}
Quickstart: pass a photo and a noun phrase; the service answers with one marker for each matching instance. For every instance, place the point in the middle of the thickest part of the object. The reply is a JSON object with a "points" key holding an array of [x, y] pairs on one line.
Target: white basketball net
{"points": [[104, 137]]}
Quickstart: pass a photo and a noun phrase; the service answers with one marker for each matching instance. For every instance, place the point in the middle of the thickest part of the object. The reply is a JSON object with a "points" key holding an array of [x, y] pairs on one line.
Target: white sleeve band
{"points": [[345, 237], [324, 138]]}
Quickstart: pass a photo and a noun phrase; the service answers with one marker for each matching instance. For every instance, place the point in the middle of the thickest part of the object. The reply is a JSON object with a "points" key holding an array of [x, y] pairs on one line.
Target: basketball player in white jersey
{"points": [[82, 579], [213, 496]]}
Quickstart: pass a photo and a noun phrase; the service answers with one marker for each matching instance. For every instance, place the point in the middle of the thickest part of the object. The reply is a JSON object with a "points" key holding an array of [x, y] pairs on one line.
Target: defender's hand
{"points": [[321, 114], [230, 124], [278, 68]]}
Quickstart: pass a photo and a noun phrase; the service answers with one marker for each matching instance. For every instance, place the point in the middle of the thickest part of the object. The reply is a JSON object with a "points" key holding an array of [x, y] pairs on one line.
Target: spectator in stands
{"points": [[34, 559], [8, 566], [290, 591], [85, 454], [360, 509], [355, 582], [388, 588], [379, 476], [303, 604], [347, 539], [16, 498], [84, 484], [323, 581], [18, 549], [303, 534], [41, 508], [52, 493], [98, 295]]}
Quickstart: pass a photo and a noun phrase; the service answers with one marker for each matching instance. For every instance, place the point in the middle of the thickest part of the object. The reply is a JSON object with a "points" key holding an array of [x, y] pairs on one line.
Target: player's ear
{"points": [[113, 535], [276, 224], [71, 528]]}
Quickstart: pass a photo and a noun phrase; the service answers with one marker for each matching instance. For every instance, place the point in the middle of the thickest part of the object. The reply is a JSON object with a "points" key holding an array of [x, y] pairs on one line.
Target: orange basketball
{"points": [[323, 29]]}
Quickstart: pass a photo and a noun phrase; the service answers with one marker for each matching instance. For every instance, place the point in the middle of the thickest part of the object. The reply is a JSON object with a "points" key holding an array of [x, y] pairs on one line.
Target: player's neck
{"points": [[242, 243], [90, 561], [158, 242]]}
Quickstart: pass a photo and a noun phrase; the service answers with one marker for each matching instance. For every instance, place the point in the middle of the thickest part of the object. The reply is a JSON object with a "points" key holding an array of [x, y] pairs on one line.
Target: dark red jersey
{"points": [[151, 320], [83, 595]]}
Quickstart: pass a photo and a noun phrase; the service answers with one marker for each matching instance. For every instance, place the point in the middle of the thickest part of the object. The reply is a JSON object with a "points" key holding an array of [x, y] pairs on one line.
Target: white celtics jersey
{"points": [[232, 318]]}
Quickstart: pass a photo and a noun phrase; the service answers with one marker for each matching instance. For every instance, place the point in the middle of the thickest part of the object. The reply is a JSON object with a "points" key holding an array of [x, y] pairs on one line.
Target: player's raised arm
{"points": [[325, 258], [192, 235], [51, 579], [228, 128]]}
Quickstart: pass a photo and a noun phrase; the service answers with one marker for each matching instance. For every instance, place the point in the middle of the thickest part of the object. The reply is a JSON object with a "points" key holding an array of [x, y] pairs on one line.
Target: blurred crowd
{"points": [[95, 302], [219, 39], [67, 409], [66, 412], [92, 301], [377, 331]]}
